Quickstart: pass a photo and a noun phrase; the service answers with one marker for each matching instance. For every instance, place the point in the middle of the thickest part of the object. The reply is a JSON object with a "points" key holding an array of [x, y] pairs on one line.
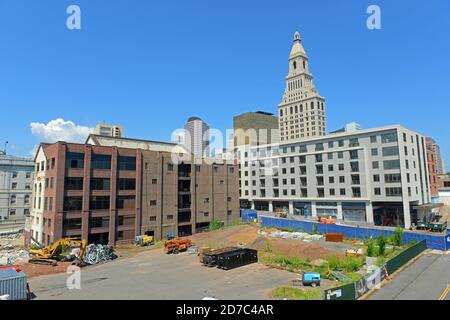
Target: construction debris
{"points": [[306, 237], [96, 254]]}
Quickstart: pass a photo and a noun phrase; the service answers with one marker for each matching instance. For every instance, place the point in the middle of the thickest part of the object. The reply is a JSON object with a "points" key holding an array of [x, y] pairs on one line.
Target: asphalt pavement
{"points": [[425, 279]]}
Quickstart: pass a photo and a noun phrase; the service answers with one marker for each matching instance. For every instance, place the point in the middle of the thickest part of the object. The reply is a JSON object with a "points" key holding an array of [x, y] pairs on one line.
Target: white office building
{"points": [[374, 176]]}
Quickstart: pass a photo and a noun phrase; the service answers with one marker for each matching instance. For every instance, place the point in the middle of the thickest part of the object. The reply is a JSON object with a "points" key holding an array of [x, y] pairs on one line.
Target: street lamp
{"points": [[4, 150]]}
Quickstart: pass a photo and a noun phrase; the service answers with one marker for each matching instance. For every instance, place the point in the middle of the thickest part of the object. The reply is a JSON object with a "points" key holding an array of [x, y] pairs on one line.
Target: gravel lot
{"points": [[154, 275]]}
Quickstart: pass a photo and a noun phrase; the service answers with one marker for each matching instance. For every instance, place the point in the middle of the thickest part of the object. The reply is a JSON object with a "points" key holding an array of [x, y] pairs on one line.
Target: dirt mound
{"points": [[35, 270], [311, 251]]}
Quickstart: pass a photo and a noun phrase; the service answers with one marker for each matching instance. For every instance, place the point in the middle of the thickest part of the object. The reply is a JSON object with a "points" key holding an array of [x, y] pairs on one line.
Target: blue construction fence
{"points": [[436, 242], [249, 215]]}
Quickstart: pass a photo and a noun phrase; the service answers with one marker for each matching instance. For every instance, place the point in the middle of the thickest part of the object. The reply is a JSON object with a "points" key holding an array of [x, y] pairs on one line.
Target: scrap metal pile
{"points": [[97, 253]]}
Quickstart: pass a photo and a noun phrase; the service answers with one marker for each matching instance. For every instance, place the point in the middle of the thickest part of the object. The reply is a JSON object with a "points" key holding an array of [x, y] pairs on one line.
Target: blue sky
{"points": [[149, 65]]}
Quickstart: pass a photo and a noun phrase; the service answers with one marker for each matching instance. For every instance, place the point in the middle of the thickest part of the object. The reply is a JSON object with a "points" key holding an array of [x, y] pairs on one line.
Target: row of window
{"points": [[76, 183], [15, 174], [355, 192], [13, 199], [75, 160], [75, 203]]}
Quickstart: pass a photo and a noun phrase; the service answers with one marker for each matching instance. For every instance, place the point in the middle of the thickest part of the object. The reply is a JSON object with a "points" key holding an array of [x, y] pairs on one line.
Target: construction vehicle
{"points": [[327, 220], [177, 245], [354, 253], [280, 213], [50, 255], [142, 241], [438, 226]]}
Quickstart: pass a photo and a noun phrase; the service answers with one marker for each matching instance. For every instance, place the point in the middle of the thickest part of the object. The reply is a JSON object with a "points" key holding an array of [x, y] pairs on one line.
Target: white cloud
{"points": [[60, 130]]}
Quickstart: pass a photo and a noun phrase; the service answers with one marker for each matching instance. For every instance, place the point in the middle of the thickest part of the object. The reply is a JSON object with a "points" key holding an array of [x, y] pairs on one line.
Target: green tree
{"points": [[371, 249], [398, 237], [381, 245]]}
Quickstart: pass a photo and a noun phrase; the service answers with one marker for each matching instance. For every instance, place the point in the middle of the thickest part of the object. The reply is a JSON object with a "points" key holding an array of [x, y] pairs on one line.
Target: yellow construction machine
{"points": [[53, 253]]}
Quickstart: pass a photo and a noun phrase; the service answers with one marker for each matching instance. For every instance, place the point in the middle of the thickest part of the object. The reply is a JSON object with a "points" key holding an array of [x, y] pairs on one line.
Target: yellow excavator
{"points": [[53, 253]]}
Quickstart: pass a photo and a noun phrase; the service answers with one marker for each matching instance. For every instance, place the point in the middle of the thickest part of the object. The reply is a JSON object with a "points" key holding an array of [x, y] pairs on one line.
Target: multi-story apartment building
{"points": [[374, 176], [16, 176], [302, 110], [109, 192]]}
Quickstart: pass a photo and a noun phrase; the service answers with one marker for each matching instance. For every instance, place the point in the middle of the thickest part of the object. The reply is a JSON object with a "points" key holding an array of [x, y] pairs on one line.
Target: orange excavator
{"points": [[177, 245]]}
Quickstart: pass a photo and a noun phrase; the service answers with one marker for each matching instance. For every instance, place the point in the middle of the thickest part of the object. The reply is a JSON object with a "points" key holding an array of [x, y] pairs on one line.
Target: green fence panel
{"points": [[345, 292], [398, 261]]}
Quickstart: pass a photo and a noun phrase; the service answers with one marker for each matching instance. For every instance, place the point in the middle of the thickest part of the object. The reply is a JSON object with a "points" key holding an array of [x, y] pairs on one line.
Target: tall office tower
{"points": [[302, 110], [197, 137]]}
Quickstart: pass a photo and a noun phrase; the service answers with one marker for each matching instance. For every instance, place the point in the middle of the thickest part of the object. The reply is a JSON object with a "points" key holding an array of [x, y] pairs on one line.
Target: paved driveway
{"points": [[155, 275], [425, 279]]}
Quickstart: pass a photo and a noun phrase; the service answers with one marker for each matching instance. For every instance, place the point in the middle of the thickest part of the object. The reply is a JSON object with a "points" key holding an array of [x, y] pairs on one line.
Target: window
{"points": [[125, 202], [375, 165], [154, 181], [152, 218], [72, 183], [330, 144], [73, 203], [319, 146], [330, 155], [170, 217], [356, 191], [99, 222], [404, 137], [353, 142], [319, 169], [318, 157], [331, 179], [169, 167], [320, 193], [126, 163], [354, 166], [53, 163], [355, 179], [50, 203], [340, 155], [101, 161], [12, 212], [388, 137], [15, 174], [14, 185], [74, 160], [377, 191], [374, 151], [330, 167], [354, 154], [27, 186], [342, 192], [13, 199], [376, 178], [99, 203], [26, 199], [392, 178], [231, 170], [390, 151], [152, 203], [391, 164], [341, 167], [28, 175], [332, 192], [393, 192], [341, 179], [373, 139], [127, 184], [341, 143]]}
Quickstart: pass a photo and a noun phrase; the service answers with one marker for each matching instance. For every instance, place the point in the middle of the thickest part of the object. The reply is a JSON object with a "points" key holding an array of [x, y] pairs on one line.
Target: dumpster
{"points": [[237, 258], [13, 284]]}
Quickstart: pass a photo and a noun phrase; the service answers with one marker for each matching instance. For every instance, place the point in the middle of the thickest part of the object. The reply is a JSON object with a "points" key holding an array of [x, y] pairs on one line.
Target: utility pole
{"points": [[4, 150]]}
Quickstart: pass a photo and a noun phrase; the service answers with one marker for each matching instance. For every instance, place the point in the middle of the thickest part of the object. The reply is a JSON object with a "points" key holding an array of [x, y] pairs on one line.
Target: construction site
{"points": [[241, 261]]}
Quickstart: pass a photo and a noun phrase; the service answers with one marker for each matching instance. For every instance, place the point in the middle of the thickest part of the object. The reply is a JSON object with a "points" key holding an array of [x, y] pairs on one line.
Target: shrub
{"points": [[371, 249], [314, 229], [269, 246], [397, 237], [215, 225], [381, 245]]}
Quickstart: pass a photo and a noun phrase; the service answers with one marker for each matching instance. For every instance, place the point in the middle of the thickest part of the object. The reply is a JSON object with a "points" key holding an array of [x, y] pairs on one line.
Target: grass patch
{"points": [[290, 293], [348, 264]]}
